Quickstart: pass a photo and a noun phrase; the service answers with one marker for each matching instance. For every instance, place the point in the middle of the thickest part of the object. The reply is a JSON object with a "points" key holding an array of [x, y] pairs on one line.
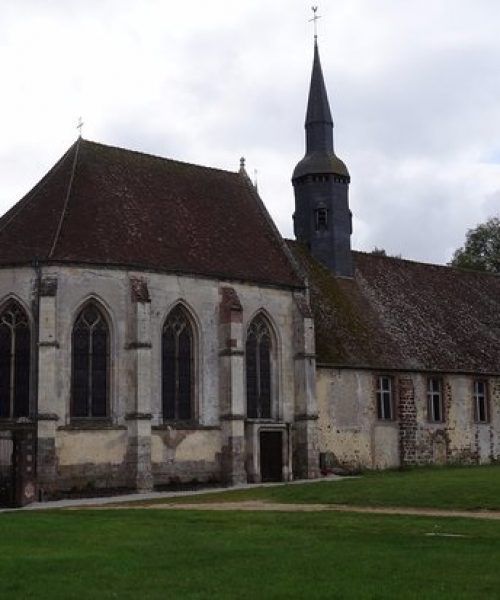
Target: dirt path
{"points": [[259, 505]]}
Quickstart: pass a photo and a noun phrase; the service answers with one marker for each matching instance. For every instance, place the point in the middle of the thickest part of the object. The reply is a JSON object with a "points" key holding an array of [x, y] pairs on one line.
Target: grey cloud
{"points": [[414, 96]]}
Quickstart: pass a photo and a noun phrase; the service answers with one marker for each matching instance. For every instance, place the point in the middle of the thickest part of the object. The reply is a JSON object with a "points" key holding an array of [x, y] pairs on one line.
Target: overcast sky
{"points": [[414, 88]]}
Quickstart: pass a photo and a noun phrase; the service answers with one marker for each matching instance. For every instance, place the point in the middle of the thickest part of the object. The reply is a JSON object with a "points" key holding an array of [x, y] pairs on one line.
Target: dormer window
{"points": [[321, 219]]}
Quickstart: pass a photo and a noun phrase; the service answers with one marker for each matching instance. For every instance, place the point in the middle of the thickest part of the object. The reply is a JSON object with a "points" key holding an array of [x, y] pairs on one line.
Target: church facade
{"points": [[408, 354], [142, 346], [155, 328]]}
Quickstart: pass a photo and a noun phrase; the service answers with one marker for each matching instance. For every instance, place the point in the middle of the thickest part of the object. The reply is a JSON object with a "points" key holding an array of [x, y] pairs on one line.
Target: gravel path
{"points": [[259, 505]]}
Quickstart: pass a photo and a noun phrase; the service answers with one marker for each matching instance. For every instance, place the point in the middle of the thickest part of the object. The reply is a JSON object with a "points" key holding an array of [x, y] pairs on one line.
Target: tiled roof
{"points": [[399, 314], [110, 206]]}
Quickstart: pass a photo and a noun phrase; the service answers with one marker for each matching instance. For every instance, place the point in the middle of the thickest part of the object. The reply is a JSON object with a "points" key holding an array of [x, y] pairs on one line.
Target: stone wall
{"points": [[352, 435], [186, 455], [134, 447]]}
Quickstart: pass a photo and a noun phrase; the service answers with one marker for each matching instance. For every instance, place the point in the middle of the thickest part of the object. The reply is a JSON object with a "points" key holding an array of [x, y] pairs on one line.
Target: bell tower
{"points": [[322, 218]]}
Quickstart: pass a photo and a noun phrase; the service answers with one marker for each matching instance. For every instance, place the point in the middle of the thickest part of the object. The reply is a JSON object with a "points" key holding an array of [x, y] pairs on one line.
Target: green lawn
{"points": [[466, 488], [149, 554]]}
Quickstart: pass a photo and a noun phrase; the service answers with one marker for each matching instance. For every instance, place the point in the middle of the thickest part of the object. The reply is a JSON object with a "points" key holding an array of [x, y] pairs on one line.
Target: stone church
{"points": [[155, 328]]}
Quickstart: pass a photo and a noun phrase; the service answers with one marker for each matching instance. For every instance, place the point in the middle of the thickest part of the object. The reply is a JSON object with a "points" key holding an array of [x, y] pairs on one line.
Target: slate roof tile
{"points": [[110, 206], [399, 314]]}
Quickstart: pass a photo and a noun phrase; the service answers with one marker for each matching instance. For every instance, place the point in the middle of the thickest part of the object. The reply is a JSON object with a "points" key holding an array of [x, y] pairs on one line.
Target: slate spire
{"points": [[322, 219], [319, 122], [320, 156]]}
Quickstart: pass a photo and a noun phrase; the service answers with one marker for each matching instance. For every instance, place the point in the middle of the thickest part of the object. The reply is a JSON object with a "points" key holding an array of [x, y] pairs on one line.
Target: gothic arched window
{"points": [[258, 369], [15, 351], [90, 354], [177, 366]]}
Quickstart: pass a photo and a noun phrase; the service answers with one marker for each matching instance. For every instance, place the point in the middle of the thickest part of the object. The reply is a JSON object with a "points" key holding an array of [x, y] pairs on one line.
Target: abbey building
{"points": [[155, 328]]}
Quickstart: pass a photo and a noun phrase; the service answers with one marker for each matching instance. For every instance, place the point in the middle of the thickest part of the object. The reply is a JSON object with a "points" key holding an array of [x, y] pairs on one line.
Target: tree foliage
{"points": [[481, 250], [382, 252]]}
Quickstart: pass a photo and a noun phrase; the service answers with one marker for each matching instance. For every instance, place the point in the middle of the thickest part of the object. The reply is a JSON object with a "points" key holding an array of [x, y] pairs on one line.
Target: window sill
{"points": [[90, 425], [183, 425], [16, 423]]}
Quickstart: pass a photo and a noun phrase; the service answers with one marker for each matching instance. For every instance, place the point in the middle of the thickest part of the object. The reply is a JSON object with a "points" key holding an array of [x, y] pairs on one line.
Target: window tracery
{"points": [[177, 367], [258, 369], [15, 358], [90, 359]]}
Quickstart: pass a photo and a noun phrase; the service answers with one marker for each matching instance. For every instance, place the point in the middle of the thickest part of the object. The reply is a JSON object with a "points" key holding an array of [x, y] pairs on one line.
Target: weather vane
{"points": [[315, 21], [80, 126]]}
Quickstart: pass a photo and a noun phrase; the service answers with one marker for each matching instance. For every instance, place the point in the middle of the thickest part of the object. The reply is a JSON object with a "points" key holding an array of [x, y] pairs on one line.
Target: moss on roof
{"points": [[401, 314]]}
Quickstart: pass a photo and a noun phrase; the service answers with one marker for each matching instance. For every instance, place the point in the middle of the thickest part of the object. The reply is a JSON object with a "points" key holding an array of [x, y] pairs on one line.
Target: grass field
{"points": [[150, 554], [464, 488], [197, 555]]}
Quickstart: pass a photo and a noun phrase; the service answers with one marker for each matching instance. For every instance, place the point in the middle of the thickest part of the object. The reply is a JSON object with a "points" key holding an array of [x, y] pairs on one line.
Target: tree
{"points": [[481, 250], [381, 252]]}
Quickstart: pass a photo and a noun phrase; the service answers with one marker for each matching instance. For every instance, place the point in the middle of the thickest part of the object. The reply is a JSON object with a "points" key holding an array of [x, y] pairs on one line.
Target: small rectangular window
{"points": [[321, 219], [480, 401], [385, 401], [435, 400]]}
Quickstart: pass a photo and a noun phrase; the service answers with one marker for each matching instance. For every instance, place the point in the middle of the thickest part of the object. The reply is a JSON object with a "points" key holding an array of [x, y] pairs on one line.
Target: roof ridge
{"points": [[425, 264], [164, 158], [66, 200], [20, 205], [448, 268]]}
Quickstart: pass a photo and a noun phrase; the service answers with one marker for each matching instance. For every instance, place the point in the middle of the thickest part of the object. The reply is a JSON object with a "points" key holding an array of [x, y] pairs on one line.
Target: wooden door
{"points": [[271, 455]]}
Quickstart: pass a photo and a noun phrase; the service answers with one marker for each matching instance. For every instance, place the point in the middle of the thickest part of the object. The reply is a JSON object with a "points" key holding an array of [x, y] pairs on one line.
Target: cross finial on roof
{"points": [[242, 164], [80, 126], [315, 21]]}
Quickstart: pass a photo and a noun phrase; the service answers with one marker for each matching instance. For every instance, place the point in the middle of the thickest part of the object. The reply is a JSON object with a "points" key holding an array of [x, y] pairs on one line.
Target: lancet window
{"points": [[90, 356], [15, 356], [177, 366], [258, 369]]}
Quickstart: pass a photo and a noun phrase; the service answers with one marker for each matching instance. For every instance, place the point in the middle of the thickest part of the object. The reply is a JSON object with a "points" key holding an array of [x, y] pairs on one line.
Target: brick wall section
{"points": [[476, 454], [407, 422], [448, 399], [494, 407]]}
